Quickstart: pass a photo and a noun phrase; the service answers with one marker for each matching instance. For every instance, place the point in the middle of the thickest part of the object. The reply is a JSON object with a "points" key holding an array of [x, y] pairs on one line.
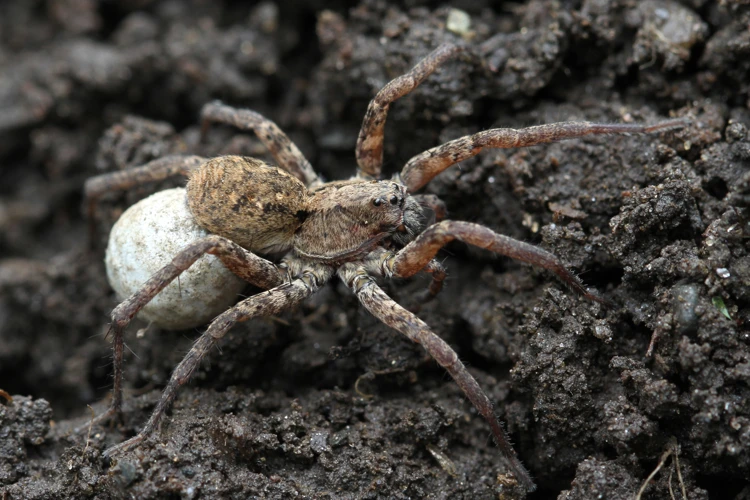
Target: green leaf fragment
{"points": [[718, 303]]}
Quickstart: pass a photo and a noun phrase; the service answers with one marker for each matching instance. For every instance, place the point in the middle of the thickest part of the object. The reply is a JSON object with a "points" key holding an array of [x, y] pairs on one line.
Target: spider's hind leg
{"points": [[117, 182], [246, 265], [266, 303], [286, 154]]}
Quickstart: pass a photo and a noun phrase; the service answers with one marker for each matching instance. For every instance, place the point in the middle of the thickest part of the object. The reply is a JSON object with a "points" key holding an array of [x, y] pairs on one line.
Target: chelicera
{"points": [[284, 230]]}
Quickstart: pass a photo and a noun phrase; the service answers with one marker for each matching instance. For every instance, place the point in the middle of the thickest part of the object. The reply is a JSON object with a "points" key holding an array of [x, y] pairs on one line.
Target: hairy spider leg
{"points": [[422, 168], [284, 151], [370, 140], [392, 314], [419, 253], [265, 303], [113, 182], [248, 266]]}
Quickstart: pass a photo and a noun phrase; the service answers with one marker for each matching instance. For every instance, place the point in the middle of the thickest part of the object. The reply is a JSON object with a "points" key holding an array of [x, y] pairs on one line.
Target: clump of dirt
{"points": [[324, 401]]}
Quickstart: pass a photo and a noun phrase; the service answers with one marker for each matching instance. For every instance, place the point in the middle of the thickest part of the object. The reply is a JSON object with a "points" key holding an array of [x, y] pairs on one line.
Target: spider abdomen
{"points": [[249, 202]]}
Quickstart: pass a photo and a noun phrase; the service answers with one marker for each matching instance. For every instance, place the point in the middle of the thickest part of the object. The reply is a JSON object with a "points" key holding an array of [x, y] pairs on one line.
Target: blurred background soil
{"points": [[323, 401]]}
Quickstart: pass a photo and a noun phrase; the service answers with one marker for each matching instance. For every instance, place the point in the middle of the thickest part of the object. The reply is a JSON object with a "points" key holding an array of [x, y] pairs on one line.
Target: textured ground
{"points": [[592, 397]]}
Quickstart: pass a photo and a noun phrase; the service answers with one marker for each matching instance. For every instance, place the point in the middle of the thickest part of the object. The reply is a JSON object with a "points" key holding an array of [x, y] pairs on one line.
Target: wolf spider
{"points": [[357, 229]]}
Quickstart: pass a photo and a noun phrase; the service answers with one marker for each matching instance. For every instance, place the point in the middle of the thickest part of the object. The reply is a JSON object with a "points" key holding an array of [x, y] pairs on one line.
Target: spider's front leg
{"points": [[244, 264], [265, 303], [422, 168], [370, 141], [418, 254], [392, 314]]}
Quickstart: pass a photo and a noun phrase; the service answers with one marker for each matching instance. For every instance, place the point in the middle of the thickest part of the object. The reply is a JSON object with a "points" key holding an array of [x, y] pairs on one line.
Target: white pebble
{"points": [[458, 22], [146, 238]]}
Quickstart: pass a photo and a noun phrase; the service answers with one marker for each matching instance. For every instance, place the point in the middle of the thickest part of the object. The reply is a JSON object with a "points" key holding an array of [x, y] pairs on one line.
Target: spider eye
{"points": [[377, 202], [394, 200]]}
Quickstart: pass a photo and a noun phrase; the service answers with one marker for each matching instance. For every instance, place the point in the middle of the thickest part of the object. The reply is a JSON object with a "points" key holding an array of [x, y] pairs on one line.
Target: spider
{"points": [[357, 229]]}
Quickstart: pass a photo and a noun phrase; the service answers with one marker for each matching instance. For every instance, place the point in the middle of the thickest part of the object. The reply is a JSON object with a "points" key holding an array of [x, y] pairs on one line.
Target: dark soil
{"points": [[325, 402]]}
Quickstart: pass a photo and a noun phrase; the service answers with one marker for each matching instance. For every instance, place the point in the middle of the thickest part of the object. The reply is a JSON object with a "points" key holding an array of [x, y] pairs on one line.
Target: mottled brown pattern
{"points": [[356, 228], [348, 219], [418, 254], [263, 304], [244, 264], [249, 202]]}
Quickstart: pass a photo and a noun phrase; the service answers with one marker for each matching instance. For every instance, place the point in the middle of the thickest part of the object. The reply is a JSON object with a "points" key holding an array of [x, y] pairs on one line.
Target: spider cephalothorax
{"points": [[310, 231], [348, 219]]}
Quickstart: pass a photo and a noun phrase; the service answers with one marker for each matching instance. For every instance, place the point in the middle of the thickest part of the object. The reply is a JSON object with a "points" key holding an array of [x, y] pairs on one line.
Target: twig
{"points": [[662, 461], [91, 424], [672, 449], [679, 475], [669, 484]]}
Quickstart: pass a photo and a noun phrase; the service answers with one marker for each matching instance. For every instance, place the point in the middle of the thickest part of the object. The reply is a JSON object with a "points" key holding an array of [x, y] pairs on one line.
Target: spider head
{"points": [[394, 210], [384, 204]]}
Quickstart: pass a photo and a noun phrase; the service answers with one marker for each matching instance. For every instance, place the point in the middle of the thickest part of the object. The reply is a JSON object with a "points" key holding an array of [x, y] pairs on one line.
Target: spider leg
{"points": [[380, 261], [434, 204], [370, 141], [437, 270], [419, 253], [422, 168], [283, 150], [392, 314], [153, 171], [265, 303], [244, 264]]}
